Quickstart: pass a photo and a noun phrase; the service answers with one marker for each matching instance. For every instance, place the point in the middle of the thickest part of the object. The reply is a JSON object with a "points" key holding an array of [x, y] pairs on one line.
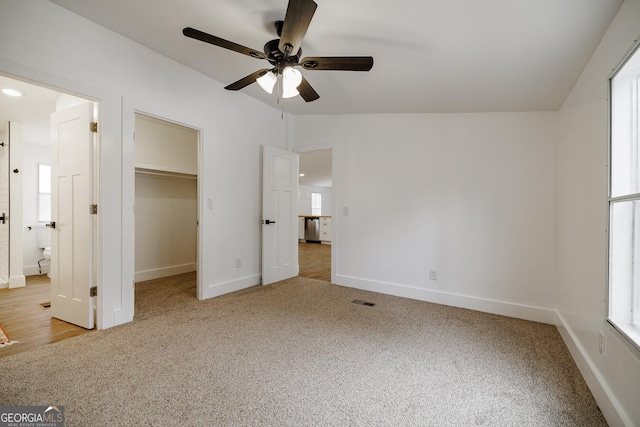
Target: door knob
{"points": [[3, 218], [51, 224], [269, 222]]}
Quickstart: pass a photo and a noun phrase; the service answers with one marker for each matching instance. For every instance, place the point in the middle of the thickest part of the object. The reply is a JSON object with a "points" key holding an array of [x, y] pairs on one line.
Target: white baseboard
{"points": [[609, 405], [519, 311], [17, 282], [217, 289], [158, 273], [33, 270]]}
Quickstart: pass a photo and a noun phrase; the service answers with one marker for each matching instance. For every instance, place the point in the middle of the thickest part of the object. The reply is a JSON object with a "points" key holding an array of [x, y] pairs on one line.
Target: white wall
{"points": [[165, 146], [166, 229], [166, 198], [582, 224], [32, 156], [16, 273], [304, 202], [36, 135], [81, 57], [469, 195]]}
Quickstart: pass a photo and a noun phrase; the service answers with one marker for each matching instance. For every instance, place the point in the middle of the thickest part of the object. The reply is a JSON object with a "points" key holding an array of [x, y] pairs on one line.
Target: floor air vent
{"points": [[45, 305], [359, 301]]}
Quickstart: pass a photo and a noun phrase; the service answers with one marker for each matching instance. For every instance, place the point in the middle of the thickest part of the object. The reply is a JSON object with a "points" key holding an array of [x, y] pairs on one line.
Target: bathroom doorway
{"points": [[25, 294], [166, 204]]}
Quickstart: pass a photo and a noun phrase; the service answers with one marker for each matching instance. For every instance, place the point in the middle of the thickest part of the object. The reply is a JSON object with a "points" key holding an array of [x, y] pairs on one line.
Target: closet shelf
{"points": [[159, 172]]}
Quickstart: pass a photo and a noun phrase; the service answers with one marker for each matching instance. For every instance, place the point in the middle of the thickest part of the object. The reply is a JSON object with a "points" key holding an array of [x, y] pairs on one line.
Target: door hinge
{"points": [[93, 126], [93, 291], [93, 209]]}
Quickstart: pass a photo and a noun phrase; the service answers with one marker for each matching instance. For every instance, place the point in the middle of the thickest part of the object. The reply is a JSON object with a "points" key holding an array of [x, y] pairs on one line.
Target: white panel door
{"points": [[279, 215], [71, 233]]}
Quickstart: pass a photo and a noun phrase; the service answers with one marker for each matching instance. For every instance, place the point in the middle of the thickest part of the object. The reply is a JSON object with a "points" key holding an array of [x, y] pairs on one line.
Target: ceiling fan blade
{"points": [[306, 91], [344, 63], [296, 22], [246, 81], [208, 38]]}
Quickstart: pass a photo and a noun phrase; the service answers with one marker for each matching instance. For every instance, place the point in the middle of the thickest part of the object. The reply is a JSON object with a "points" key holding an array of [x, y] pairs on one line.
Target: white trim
{"points": [[33, 270], [217, 289], [611, 408], [17, 282], [313, 147], [129, 108], [622, 326], [157, 273], [106, 310], [519, 311]]}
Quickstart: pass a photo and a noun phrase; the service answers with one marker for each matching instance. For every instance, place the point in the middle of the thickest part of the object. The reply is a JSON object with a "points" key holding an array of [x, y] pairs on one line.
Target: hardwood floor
{"points": [[315, 261], [25, 320]]}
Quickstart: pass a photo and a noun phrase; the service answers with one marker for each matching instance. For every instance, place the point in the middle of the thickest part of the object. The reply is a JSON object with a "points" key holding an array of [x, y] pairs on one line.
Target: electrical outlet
{"points": [[238, 262], [433, 274], [602, 344], [345, 211], [210, 204]]}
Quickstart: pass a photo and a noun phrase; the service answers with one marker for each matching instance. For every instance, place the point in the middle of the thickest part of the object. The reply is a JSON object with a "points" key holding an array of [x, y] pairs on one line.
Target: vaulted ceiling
{"points": [[430, 55]]}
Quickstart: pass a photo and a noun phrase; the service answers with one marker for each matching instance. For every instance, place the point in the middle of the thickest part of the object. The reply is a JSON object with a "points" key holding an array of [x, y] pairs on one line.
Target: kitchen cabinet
{"points": [[301, 229], [325, 230]]}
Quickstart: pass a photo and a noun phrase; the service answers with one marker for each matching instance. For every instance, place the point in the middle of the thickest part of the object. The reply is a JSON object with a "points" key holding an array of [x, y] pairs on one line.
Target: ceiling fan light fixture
{"points": [[291, 78], [267, 82], [289, 92]]}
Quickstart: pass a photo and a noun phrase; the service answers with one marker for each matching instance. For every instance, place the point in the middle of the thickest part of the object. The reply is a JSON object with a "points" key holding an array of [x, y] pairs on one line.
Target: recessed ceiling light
{"points": [[11, 92], [301, 174]]}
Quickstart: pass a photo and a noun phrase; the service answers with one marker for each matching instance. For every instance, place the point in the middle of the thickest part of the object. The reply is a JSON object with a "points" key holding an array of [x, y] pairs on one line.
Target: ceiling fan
{"points": [[284, 55]]}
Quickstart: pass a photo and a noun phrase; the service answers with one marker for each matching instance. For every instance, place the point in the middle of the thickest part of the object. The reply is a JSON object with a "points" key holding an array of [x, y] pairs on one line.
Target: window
{"points": [[624, 200], [316, 203], [44, 193]]}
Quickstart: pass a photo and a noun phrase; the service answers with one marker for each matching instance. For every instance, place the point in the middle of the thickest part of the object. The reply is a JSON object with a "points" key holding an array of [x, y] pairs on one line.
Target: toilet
{"points": [[43, 240]]}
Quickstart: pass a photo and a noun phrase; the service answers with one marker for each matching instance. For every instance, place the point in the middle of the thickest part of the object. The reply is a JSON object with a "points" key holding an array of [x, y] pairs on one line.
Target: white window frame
{"points": [[316, 209], [623, 283]]}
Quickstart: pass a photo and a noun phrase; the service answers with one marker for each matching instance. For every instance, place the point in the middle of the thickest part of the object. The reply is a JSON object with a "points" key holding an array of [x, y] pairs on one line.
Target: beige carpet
{"points": [[300, 353]]}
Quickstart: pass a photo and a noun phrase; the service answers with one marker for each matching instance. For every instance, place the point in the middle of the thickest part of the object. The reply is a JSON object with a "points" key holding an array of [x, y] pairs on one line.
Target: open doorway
{"points": [[315, 212], [25, 295], [166, 207]]}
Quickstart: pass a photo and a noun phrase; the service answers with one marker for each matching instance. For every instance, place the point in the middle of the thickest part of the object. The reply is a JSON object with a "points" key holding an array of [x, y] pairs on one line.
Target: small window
{"points": [[316, 204], [624, 200], [44, 193]]}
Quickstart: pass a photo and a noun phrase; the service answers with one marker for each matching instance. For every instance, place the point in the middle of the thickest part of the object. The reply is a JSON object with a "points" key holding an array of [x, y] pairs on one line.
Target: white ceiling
{"points": [[431, 56], [316, 167], [35, 102]]}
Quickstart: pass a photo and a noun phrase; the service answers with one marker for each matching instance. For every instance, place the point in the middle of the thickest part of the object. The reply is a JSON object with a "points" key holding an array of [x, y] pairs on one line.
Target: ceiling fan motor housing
{"points": [[274, 55]]}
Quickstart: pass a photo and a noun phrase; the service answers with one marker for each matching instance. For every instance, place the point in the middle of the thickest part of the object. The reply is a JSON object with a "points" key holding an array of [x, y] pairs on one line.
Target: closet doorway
{"points": [[166, 208]]}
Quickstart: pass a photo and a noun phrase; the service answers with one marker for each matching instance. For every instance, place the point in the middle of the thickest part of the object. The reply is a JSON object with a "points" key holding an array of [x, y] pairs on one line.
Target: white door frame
{"points": [[99, 98], [129, 109], [335, 221]]}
